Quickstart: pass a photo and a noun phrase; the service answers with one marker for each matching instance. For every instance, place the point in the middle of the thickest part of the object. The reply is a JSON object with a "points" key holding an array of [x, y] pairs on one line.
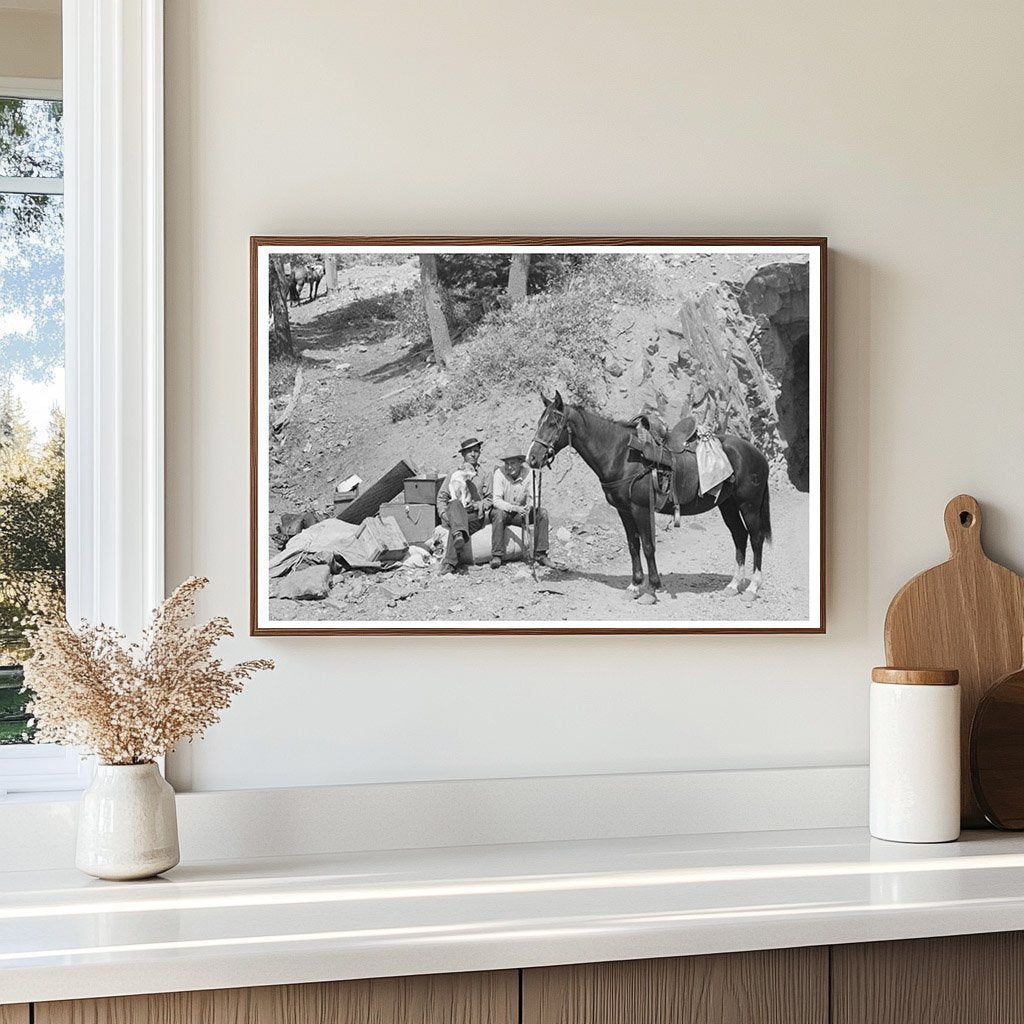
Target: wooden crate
{"points": [[415, 520], [422, 490]]}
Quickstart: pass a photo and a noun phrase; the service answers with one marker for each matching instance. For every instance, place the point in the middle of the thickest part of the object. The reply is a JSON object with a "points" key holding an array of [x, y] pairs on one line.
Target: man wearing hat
{"points": [[514, 506], [462, 522]]}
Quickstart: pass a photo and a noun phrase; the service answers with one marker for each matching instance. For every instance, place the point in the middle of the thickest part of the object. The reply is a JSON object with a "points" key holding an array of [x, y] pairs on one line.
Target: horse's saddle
{"points": [[671, 453], [673, 440]]}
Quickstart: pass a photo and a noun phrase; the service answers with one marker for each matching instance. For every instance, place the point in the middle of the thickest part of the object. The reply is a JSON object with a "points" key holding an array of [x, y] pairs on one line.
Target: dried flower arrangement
{"points": [[130, 703]]}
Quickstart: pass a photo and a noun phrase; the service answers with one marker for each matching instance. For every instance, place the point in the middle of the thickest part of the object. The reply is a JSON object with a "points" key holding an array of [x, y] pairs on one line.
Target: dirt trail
{"points": [[354, 369]]}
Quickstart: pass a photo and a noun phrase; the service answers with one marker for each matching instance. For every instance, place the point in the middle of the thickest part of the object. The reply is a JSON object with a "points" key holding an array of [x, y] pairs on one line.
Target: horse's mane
{"points": [[630, 423]]}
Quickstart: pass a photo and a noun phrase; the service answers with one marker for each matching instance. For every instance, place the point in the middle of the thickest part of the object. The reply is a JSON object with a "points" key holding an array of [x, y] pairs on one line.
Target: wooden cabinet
{"points": [[491, 998], [962, 979], [778, 986], [968, 979]]}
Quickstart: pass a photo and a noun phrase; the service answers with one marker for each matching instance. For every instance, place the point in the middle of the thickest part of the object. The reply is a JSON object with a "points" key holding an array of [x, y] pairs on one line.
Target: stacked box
{"points": [[422, 490], [416, 520], [342, 502]]}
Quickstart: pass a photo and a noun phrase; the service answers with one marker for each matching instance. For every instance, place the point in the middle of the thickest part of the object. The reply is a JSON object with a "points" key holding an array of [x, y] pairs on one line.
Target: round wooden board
{"points": [[997, 752]]}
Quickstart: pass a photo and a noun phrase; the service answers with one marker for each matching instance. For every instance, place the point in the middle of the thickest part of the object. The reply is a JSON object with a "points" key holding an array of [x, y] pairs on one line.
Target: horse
{"points": [[296, 282], [314, 275], [603, 444]]}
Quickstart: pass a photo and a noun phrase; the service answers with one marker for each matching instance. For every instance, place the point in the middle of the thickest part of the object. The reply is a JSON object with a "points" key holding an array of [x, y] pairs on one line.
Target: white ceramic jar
{"points": [[127, 823], [915, 755]]}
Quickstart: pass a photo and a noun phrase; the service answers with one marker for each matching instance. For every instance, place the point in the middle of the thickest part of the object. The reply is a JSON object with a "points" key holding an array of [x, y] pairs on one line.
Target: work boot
{"points": [[447, 570], [542, 558], [495, 563]]}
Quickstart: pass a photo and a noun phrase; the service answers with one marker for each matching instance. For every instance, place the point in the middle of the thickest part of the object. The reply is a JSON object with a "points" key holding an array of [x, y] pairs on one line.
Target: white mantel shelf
{"points": [[226, 924]]}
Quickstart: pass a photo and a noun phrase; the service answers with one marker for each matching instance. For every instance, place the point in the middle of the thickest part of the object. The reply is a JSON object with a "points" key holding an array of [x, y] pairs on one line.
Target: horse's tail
{"points": [[766, 515]]}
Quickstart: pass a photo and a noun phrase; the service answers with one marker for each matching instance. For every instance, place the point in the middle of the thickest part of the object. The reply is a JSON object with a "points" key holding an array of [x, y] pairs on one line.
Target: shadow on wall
{"points": [[779, 294]]}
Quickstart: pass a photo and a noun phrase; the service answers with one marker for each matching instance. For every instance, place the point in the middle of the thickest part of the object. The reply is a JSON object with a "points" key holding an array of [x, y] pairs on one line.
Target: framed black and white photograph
{"points": [[537, 435]]}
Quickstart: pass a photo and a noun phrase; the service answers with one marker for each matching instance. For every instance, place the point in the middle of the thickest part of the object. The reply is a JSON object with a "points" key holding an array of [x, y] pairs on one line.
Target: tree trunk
{"points": [[518, 272], [331, 269], [280, 327], [434, 305]]}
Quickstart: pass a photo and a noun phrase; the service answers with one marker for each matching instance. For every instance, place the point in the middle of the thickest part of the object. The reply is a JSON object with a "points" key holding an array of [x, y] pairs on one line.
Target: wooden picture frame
{"points": [[744, 307]]}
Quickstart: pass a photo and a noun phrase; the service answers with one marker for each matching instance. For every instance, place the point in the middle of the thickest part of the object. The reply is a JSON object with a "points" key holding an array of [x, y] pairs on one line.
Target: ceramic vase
{"points": [[127, 825]]}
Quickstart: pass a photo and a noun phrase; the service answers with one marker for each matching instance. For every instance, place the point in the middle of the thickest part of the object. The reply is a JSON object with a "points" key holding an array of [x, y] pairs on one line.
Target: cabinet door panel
{"points": [[482, 998], [778, 986], [960, 979], [14, 1014]]}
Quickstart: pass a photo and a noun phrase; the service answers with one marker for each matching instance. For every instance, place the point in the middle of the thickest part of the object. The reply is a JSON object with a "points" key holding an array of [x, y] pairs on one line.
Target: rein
{"points": [[564, 423]]}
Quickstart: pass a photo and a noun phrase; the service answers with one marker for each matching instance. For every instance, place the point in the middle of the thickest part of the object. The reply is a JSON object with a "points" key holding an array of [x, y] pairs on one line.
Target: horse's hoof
{"points": [[633, 588], [749, 596]]}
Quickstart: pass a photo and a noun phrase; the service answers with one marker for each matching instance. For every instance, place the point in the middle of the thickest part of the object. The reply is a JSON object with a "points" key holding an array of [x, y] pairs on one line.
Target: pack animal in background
{"points": [[314, 275], [299, 276], [296, 278], [458, 487]]}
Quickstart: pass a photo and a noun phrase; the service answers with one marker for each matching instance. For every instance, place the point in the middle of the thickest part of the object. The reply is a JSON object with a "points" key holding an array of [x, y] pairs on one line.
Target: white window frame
{"points": [[114, 322]]}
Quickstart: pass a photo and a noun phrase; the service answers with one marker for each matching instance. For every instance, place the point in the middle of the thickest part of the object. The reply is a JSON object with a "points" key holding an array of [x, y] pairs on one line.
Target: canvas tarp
{"points": [[366, 545]]}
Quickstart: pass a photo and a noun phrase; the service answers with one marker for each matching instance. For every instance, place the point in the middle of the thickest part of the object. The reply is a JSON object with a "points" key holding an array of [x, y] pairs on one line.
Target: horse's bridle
{"points": [[549, 446]]}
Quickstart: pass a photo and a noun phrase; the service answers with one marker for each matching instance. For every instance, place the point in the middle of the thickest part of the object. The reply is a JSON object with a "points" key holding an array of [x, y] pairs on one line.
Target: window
{"points": [[112, 212], [32, 532]]}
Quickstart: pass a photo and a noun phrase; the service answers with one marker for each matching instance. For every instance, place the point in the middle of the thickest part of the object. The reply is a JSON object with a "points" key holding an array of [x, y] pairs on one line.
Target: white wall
{"points": [[895, 129]]}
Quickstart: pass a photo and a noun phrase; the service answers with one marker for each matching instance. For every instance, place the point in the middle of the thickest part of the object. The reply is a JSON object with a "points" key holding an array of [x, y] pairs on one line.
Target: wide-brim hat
{"points": [[469, 444], [515, 455]]}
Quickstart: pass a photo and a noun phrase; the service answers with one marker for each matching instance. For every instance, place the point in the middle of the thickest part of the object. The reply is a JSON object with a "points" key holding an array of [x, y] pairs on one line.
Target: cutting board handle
{"points": [[963, 526]]}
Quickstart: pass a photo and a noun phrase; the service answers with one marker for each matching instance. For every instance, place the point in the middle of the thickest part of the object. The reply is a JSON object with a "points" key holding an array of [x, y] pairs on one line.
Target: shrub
{"points": [[551, 339], [415, 405], [556, 338], [627, 278], [407, 309]]}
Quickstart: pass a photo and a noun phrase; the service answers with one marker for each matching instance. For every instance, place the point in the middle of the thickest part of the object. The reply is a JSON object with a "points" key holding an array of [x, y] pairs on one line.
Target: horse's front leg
{"points": [[633, 540], [647, 540]]}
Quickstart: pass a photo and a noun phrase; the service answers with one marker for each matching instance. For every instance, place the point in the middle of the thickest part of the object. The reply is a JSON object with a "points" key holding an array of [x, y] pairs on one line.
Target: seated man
{"points": [[513, 506], [469, 508]]}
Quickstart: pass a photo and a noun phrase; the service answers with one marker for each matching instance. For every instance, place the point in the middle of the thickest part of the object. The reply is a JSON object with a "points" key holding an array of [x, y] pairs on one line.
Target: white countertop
{"points": [[227, 924]]}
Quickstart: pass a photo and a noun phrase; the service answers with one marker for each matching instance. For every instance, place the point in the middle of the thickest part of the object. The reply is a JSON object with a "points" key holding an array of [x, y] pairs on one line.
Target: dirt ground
{"points": [[353, 370]]}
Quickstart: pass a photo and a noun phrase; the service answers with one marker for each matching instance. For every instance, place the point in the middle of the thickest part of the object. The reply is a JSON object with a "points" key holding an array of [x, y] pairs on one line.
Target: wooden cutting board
{"points": [[967, 614]]}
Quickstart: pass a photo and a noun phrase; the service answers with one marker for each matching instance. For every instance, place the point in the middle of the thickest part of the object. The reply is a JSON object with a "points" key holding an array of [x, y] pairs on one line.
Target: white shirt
{"points": [[513, 493]]}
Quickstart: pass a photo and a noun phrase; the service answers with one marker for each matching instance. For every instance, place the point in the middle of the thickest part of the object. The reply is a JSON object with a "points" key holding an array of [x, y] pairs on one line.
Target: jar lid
{"points": [[916, 676]]}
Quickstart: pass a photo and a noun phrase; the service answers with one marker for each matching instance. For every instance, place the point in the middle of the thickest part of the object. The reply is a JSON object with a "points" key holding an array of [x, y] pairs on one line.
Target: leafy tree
{"points": [[32, 549]]}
